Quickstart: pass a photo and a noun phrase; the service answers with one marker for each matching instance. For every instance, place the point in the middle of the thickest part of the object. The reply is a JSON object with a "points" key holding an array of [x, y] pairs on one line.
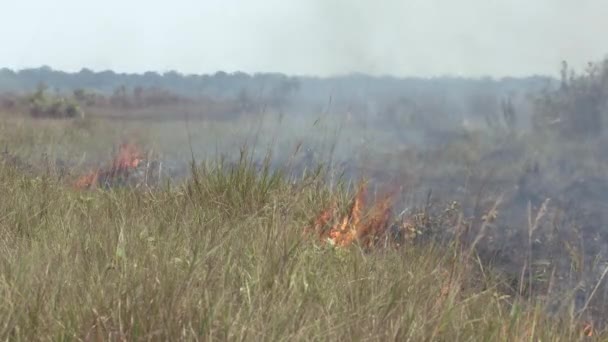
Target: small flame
{"points": [[588, 329], [323, 219], [87, 180], [128, 158], [353, 226]]}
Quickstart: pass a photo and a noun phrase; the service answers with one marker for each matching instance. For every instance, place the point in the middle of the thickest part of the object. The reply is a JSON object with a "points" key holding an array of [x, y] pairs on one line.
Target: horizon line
{"points": [[290, 75]]}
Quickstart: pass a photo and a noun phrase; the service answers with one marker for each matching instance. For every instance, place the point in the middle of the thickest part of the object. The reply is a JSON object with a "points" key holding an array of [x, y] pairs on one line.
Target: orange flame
{"points": [[588, 329], [353, 226], [128, 158], [323, 219], [377, 223], [87, 180]]}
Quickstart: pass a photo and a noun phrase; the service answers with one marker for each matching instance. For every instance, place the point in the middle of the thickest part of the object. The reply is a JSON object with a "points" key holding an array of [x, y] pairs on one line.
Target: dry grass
{"points": [[223, 257]]}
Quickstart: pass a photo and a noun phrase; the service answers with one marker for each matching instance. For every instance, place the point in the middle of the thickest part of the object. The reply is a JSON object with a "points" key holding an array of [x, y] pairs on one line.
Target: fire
{"points": [[128, 158], [87, 180], [354, 226], [588, 329]]}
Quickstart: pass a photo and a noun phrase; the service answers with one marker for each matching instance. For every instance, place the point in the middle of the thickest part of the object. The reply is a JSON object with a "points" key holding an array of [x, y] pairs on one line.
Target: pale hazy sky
{"points": [[314, 37]]}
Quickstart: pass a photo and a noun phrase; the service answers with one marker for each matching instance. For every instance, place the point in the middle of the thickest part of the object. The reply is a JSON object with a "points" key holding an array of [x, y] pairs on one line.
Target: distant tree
{"points": [[564, 76], [120, 97], [220, 75], [84, 97], [508, 114], [152, 79], [485, 105], [138, 95], [281, 91]]}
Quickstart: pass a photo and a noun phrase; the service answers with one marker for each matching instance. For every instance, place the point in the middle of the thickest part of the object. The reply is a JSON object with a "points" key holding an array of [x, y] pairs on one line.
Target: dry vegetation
{"points": [[227, 255], [93, 248]]}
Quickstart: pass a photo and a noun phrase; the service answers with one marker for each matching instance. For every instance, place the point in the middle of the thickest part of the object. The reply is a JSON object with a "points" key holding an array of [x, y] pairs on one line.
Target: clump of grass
{"points": [[224, 257]]}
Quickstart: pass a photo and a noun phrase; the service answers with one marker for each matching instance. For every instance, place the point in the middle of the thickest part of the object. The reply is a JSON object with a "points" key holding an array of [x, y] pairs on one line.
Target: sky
{"points": [[420, 38]]}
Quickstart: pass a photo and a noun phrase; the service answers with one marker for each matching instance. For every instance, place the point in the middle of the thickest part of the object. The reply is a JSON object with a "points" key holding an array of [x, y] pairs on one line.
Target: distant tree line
{"points": [[221, 84], [390, 101], [579, 108]]}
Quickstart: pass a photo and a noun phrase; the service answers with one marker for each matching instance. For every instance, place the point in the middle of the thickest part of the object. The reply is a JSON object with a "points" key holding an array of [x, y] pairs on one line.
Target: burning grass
{"points": [[373, 224], [128, 158], [366, 227], [223, 258]]}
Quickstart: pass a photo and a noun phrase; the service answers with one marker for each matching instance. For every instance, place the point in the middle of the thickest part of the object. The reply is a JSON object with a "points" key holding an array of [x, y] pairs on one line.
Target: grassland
{"points": [[225, 256]]}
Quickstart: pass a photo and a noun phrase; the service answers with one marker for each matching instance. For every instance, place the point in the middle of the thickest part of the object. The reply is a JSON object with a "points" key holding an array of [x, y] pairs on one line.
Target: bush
{"points": [[44, 106]]}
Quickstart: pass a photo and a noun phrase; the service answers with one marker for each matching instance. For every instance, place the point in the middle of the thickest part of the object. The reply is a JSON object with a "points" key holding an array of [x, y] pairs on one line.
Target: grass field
{"points": [[225, 256]]}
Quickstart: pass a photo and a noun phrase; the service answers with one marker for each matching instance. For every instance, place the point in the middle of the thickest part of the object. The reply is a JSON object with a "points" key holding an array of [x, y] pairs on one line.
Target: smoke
{"points": [[469, 38], [315, 37]]}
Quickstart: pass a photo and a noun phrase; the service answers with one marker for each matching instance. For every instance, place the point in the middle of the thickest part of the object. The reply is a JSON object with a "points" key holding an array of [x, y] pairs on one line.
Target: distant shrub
{"points": [[85, 97], [42, 105], [8, 101], [140, 97]]}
